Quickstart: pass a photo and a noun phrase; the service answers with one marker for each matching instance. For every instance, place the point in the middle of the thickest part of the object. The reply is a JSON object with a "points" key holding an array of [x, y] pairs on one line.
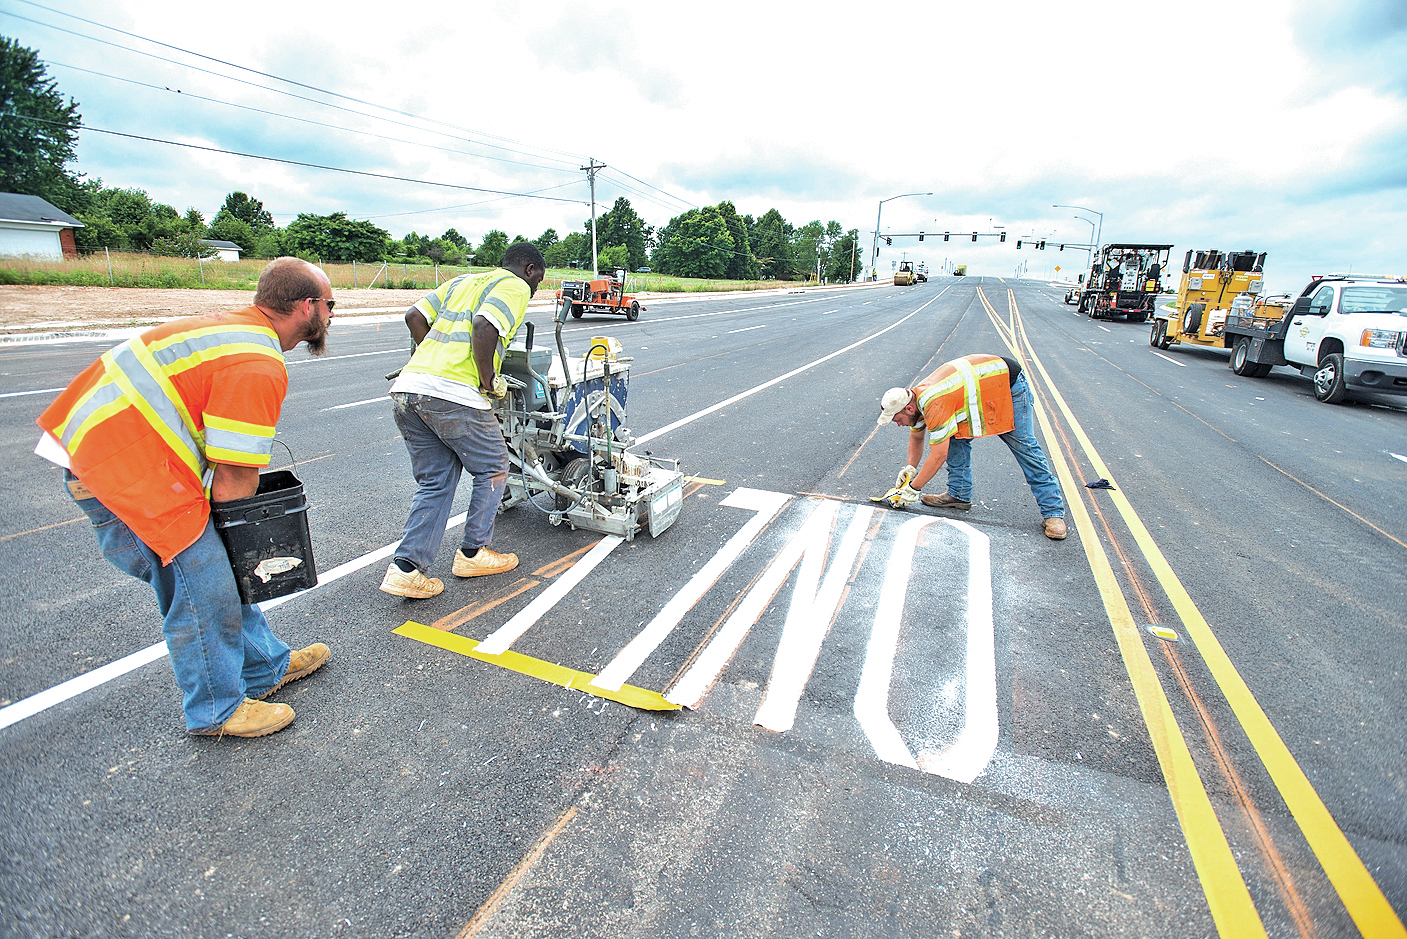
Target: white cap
{"points": [[894, 401]]}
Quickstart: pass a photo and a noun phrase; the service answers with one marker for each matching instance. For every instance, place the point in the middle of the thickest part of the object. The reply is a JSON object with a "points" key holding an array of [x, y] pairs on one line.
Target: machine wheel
{"points": [[1240, 358], [573, 477], [1158, 335], [576, 311], [634, 313], [1329, 385]]}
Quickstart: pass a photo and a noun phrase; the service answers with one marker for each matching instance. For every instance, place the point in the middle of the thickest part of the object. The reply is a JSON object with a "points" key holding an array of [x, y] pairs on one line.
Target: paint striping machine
{"points": [[568, 448]]}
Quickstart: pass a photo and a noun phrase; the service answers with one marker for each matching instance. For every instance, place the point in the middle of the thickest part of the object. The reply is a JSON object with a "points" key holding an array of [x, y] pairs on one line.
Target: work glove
{"points": [[905, 476], [499, 387], [906, 495]]}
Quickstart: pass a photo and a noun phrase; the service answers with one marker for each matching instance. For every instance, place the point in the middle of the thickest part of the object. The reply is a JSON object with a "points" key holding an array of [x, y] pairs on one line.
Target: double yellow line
{"points": [[1228, 898]]}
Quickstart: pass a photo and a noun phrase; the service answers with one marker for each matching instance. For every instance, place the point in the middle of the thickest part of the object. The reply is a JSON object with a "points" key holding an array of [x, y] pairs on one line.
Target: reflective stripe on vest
{"points": [[967, 377]]}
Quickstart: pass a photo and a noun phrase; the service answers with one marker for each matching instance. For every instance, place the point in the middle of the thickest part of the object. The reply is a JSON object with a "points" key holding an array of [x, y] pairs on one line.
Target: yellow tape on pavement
{"points": [[628, 695]]}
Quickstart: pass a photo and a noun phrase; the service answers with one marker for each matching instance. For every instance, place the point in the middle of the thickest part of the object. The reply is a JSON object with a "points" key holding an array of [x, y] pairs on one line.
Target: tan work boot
{"points": [[1054, 528], [414, 585], [945, 501], [484, 562], [255, 719], [300, 664]]}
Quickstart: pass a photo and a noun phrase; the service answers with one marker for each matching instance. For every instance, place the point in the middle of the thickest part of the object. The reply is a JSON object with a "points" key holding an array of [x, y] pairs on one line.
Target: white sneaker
{"points": [[414, 585]]}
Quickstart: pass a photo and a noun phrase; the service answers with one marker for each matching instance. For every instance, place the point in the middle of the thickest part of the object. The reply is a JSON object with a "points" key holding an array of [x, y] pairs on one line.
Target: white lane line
{"points": [[354, 404], [747, 328], [1398, 456], [1105, 328], [780, 378], [504, 636], [350, 355], [28, 707], [695, 316], [1169, 359], [37, 391], [627, 660], [810, 616]]}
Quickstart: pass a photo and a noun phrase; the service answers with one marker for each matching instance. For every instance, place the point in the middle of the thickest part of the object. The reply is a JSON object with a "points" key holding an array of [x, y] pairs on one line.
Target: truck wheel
{"points": [[1240, 358], [1158, 334], [1137, 316], [1262, 370], [634, 313], [1329, 385]]}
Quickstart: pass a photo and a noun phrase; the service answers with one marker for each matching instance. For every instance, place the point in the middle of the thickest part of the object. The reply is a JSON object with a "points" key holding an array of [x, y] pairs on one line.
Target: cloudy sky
{"points": [[1237, 124]]}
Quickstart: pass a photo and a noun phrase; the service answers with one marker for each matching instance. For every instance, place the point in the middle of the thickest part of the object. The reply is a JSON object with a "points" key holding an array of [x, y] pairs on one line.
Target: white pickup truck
{"points": [[1345, 333]]}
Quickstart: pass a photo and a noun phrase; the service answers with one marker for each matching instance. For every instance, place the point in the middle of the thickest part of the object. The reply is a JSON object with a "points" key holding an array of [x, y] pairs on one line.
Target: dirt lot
{"points": [[24, 309]]}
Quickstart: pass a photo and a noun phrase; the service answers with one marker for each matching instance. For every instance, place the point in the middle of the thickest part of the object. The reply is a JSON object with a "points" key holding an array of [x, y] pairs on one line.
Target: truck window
{"points": [[1322, 302], [1373, 298]]}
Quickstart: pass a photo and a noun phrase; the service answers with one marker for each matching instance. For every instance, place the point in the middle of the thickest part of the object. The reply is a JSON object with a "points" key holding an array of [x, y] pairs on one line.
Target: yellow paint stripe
{"points": [[536, 668], [1228, 898], [1357, 889], [708, 482]]}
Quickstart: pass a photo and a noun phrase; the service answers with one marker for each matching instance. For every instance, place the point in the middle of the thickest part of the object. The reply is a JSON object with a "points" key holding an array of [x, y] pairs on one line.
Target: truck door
{"points": [[1307, 329]]}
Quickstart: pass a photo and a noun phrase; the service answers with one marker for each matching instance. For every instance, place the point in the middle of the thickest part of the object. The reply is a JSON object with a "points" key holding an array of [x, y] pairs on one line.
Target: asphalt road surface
{"points": [[1184, 720]]}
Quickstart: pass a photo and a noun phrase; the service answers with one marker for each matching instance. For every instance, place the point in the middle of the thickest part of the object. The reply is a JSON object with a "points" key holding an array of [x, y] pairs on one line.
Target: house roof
{"points": [[15, 207], [220, 244]]}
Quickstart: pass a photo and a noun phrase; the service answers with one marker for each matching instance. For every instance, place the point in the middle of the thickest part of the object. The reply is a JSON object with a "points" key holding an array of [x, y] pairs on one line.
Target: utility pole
{"points": [[591, 177]]}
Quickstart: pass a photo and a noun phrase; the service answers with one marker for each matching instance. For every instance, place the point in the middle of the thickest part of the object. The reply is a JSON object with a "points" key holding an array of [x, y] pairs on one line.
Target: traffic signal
{"points": [[1003, 236], [920, 236], [1041, 244], [888, 240], [945, 235], [974, 236], [1062, 247], [1018, 242]]}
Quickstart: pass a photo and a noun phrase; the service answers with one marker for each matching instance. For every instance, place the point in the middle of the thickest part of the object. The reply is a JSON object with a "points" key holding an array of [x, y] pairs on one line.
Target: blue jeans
{"points": [[222, 651], [445, 439], [1027, 449]]}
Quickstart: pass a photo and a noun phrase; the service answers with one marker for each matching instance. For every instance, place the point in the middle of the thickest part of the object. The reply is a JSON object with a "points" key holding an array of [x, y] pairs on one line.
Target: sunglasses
{"points": [[330, 303]]}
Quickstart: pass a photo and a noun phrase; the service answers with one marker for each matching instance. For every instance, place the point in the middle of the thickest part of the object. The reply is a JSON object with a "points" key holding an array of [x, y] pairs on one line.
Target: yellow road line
{"points": [[536, 668], [1359, 892], [1228, 899]]}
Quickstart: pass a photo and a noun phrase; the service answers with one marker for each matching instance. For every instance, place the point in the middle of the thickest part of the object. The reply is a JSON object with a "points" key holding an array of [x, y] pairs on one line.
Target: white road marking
{"points": [[350, 355], [747, 329], [811, 613], [354, 404], [61, 692], [37, 391], [780, 378], [973, 750], [504, 636], [1398, 456], [1105, 328], [627, 660], [1170, 359]]}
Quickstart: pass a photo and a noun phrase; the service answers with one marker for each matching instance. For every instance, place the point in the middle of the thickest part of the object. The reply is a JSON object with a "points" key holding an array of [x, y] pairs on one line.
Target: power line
{"points": [[279, 78], [315, 166], [290, 117]]}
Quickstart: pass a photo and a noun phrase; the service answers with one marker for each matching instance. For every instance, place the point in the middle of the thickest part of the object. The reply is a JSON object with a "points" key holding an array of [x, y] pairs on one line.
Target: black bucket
{"points": [[267, 537]]}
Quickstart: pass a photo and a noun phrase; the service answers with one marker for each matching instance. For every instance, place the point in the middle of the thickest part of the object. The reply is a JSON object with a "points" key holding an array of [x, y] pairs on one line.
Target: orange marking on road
{"points": [[43, 528], [553, 568], [518, 871], [464, 614]]}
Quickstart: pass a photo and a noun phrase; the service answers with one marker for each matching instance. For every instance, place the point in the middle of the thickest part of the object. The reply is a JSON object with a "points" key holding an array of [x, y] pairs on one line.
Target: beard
{"points": [[315, 335]]}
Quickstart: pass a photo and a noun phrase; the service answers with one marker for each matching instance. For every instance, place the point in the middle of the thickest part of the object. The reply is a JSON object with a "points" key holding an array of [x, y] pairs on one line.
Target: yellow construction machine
{"points": [[904, 276], [1215, 284]]}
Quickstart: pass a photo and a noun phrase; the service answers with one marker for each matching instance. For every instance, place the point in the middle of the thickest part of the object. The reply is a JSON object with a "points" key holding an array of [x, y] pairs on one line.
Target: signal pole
{"points": [[591, 177]]}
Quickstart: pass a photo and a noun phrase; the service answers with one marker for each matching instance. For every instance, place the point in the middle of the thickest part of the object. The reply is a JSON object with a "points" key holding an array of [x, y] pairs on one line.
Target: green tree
{"points": [[843, 263], [562, 253], [228, 228], [741, 264], [616, 256], [335, 238], [490, 253], [620, 225], [249, 211], [455, 238], [546, 240], [38, 131], [270, 244], [695, 244], [771, 243], [808, 243], [185, 245], [194, 220]]}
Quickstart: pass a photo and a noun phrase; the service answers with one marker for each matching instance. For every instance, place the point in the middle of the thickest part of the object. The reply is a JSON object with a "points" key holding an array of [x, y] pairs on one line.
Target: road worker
{"points": [[969, 397], [154, 432], [443, 406]]}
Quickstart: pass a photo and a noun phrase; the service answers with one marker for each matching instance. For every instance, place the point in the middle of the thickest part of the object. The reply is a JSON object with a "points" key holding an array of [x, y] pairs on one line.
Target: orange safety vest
{"points": [[965, 398], [142, 424]]}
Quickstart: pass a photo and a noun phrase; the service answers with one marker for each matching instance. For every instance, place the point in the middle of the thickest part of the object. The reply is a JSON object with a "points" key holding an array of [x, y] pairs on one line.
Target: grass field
{"points": [[145, 270]]}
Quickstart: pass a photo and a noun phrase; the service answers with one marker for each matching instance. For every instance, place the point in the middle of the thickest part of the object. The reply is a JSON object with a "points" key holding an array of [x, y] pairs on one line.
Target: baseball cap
{"points": [[894, 401]]}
